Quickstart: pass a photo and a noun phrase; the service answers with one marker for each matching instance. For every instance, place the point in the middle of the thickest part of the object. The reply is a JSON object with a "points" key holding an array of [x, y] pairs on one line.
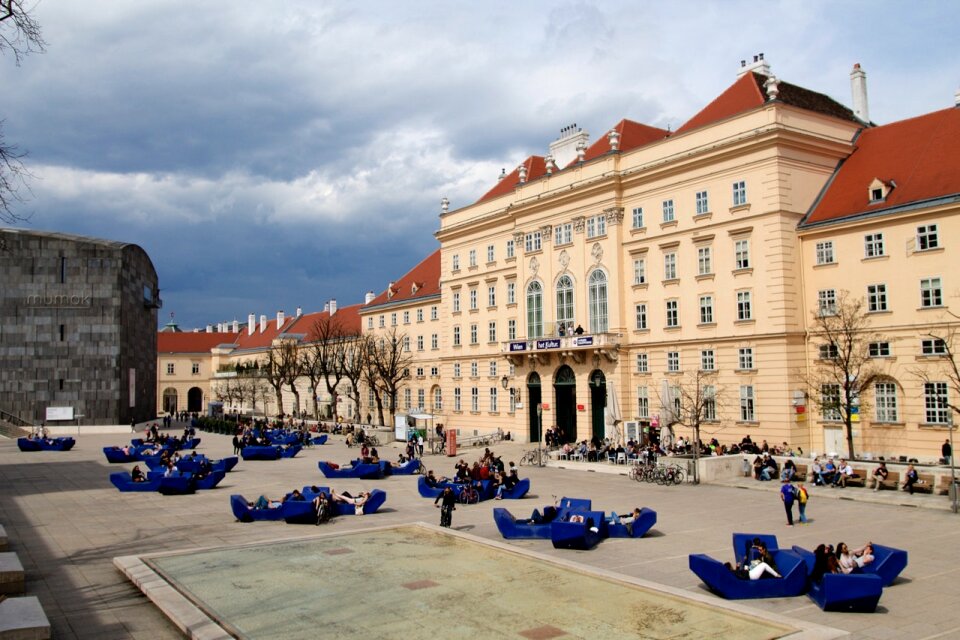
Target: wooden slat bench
{"points": [[858, 479], [924, 484], [943, 487], [892, 481]]}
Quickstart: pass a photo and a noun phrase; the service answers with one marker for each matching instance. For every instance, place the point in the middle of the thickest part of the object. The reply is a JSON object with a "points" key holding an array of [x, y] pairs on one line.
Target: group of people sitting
{"points": [[829, 474], [170, 462], [840, 559], [322, 503], [488, 468]]}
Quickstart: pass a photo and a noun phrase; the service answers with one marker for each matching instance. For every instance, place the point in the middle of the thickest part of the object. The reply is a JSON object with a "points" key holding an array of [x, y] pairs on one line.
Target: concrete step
{"points": [[11, 573], [23, 619]]}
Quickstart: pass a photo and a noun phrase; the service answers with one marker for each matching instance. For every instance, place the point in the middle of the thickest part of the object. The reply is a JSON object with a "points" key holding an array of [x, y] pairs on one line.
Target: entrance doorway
{"points": [[565, 390], [534, 399], [834, 442], [598, 402], [170, 400], [195, 400]]}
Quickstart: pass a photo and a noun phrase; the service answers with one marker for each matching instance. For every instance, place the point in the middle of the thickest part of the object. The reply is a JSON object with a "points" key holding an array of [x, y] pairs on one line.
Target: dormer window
{"points": [[413, 288], [879, 190]]}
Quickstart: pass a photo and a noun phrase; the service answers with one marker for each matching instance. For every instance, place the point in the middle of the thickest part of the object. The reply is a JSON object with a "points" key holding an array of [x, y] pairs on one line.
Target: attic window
{"points": [[879, 190], [413, 288]]}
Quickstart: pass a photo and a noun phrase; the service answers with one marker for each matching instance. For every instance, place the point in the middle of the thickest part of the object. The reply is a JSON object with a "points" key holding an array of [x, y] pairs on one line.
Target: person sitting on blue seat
{"points": [[626, 520], [137, 474]]}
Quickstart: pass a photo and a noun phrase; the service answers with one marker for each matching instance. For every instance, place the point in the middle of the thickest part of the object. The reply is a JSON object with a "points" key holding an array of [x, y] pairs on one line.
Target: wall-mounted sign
{"points": [[64, 301], [59, 413], [550, 343], [518, 346], [583, 341], [581, 407]]}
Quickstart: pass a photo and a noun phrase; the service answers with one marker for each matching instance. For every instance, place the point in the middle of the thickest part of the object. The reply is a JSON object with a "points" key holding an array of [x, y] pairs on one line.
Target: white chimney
{"points": [[759, 65], [956, 98], [333, 306], [564, 148], [858, 86], [209, 328], [280, 319], [251, 324], [263, 323], [367, 299], [299, 311], [326, 307], [503, 174], [236, 326]]}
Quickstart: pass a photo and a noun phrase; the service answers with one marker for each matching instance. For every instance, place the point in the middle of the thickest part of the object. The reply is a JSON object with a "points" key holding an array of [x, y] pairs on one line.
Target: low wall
{"points": [[74, 430]]}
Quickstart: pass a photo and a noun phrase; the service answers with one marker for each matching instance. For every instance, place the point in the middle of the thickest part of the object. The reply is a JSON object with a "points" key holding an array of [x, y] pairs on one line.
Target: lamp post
{"points": [[953, 468], [540, 435]]}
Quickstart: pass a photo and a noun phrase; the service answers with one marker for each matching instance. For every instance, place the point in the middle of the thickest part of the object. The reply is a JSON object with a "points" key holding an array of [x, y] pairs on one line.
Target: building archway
{"points": [[195, 400], [598, 401], [534, 398], [565, 392], [170, 400]]}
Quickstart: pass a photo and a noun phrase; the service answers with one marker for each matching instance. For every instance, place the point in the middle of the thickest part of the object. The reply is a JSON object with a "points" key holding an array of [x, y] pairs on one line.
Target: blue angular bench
{"points": [[887, 563], [637, 529], [361, 471], [302, 511], [726, 584], [257, 452], [580, 536], [56, 444], [538, 525]]}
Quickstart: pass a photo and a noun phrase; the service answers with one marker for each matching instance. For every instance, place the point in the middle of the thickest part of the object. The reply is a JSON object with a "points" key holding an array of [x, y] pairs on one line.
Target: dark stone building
{"points": [[78, 329]]}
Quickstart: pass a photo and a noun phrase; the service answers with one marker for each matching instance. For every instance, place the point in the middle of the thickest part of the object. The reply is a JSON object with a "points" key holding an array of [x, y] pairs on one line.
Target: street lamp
{"points": [[504, 382], [540, 435]]}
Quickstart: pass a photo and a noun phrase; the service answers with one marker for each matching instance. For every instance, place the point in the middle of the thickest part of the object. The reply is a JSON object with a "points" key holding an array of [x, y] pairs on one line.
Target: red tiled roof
{"points": [[748, 93], [425, 275], [168, 342], [632, 135], [920, 155], [262, 340], [348, 316], [536, 167]]}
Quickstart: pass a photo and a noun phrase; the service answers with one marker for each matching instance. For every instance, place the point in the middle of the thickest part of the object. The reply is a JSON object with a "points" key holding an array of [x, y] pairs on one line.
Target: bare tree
{"points": [[353, 365], [844, 370], [391, 361], [20, 35], [323, 358], [946, 342], [279, 367], [690, 402]]}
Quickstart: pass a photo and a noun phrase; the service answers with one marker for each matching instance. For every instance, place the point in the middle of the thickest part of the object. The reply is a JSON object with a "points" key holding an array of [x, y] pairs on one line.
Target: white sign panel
{"points": [[59, 413], [133, 387]]}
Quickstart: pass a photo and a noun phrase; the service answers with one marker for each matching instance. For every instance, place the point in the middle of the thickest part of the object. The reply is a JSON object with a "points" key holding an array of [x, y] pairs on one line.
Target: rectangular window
{"points": [[455, 262], [474, 369], [673, 361], [456, 301], [739, 193], [885, 398], [742, 254], [830, 401], [511, 293], [563, 233], [382, 325], [406, 343], [493, 368], [474, 399], [170, 368], [673, 313], [493, 399], [706, 309], [473, 299], [927, 237], [936, 403], [827, 302], [456, 336], [492, 331], [456, 369], [419, 372], [668, 215], [421, 398], [702, 204], [419, 343], [745, 359], [492, 296], [933, 347], [370, 322], [829, 351], [931, 292], [434, 313], [473, 257], [704, 261], [457, 405], [825, 252], [434, 341], [744, 306], [747, 403], [511, 329], [879, 349], [597, 226], [419, 315], [877, 297], [406, 317], [709, 402], [406, 398], [63, 332], [533, 241], [670, 266], [643, 402], [638, 217], [393, 319], [873, 245], [641, 310], [708, 361], [474, 334], [639, 271], [490, 253], [510, 248], [643, 365]]}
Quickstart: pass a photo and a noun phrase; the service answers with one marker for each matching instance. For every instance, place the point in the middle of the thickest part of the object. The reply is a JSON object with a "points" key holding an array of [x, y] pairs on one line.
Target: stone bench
{"points": [[23, 619], [11, 573]]}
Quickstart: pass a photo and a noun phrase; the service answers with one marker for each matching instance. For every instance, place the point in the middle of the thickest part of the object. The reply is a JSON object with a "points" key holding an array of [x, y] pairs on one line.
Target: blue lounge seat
{"points": [[888, 562], [55, 444], [579, 535], [243, 512], [121, 480], [260, 453], [518, 491], [291, 450], [361, 471], [116, 455], [178, 485], [637, 529], [726, 584], [408, 468], [321, 439], [858, 592], [211, 480]]}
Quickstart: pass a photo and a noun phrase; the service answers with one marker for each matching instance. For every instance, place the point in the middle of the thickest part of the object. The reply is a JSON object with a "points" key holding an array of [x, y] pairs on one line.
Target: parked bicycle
{"points": [[534, 456]]}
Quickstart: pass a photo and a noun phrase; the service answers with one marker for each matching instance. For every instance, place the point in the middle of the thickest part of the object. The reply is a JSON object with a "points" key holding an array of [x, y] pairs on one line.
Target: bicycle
{"points": [[671, 474], [439, 447], [468, 495], [534, 456]]}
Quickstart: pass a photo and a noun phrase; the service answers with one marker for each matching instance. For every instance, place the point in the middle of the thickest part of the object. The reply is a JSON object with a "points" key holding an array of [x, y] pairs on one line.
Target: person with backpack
{"points": [[802, 497], [788, 495]]}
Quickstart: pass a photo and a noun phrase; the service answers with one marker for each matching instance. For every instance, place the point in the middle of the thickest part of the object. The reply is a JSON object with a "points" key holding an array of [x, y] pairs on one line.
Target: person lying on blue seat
{"points": [[627, 520], [263, 502], [356, 501]]}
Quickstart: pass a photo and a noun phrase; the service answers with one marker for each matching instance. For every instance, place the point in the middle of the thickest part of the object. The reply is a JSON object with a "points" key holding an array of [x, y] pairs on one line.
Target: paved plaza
{"points": [[67, 523]]}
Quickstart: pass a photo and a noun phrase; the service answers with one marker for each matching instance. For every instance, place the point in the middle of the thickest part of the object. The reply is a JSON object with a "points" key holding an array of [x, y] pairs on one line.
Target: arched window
{"points": [[564, 301], [598, 302], [534, 310]]}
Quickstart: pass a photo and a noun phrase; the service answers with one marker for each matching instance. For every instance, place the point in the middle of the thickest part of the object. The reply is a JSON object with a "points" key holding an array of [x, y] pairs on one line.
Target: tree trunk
{"points": [[279, 392], [849, 426], [316, 405], [296, 399], [379, 407]]}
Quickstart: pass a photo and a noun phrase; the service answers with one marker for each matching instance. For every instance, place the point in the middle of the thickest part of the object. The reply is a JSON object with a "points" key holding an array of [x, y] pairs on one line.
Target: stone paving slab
{"points": [[23, 619], [67, 523]]}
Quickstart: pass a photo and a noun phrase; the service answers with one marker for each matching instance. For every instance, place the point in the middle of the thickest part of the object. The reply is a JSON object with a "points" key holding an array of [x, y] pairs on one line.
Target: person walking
{"points": [[946, 451], [447, 503], [803, 496], [787, 495]]}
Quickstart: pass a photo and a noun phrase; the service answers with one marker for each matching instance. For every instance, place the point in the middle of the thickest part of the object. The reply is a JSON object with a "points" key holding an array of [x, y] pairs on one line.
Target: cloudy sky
{"points": [[269, 155]]}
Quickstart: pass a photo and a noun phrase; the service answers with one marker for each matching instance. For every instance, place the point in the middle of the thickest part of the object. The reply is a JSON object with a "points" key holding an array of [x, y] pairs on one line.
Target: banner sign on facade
{"points": [[518, 346], [551, 343], [583, 341]]}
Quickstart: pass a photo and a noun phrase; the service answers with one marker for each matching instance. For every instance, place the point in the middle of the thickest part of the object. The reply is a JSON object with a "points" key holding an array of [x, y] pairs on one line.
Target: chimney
{"points": [[503, 174], [299, 311], [956, 98], [209, 328], [367, 299], [581, 151], [858, 86], [263, 323], [564, 148], [251, 324], [236, 326], [758, 65], [326, 307], [280, 319], [333, 306]]}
